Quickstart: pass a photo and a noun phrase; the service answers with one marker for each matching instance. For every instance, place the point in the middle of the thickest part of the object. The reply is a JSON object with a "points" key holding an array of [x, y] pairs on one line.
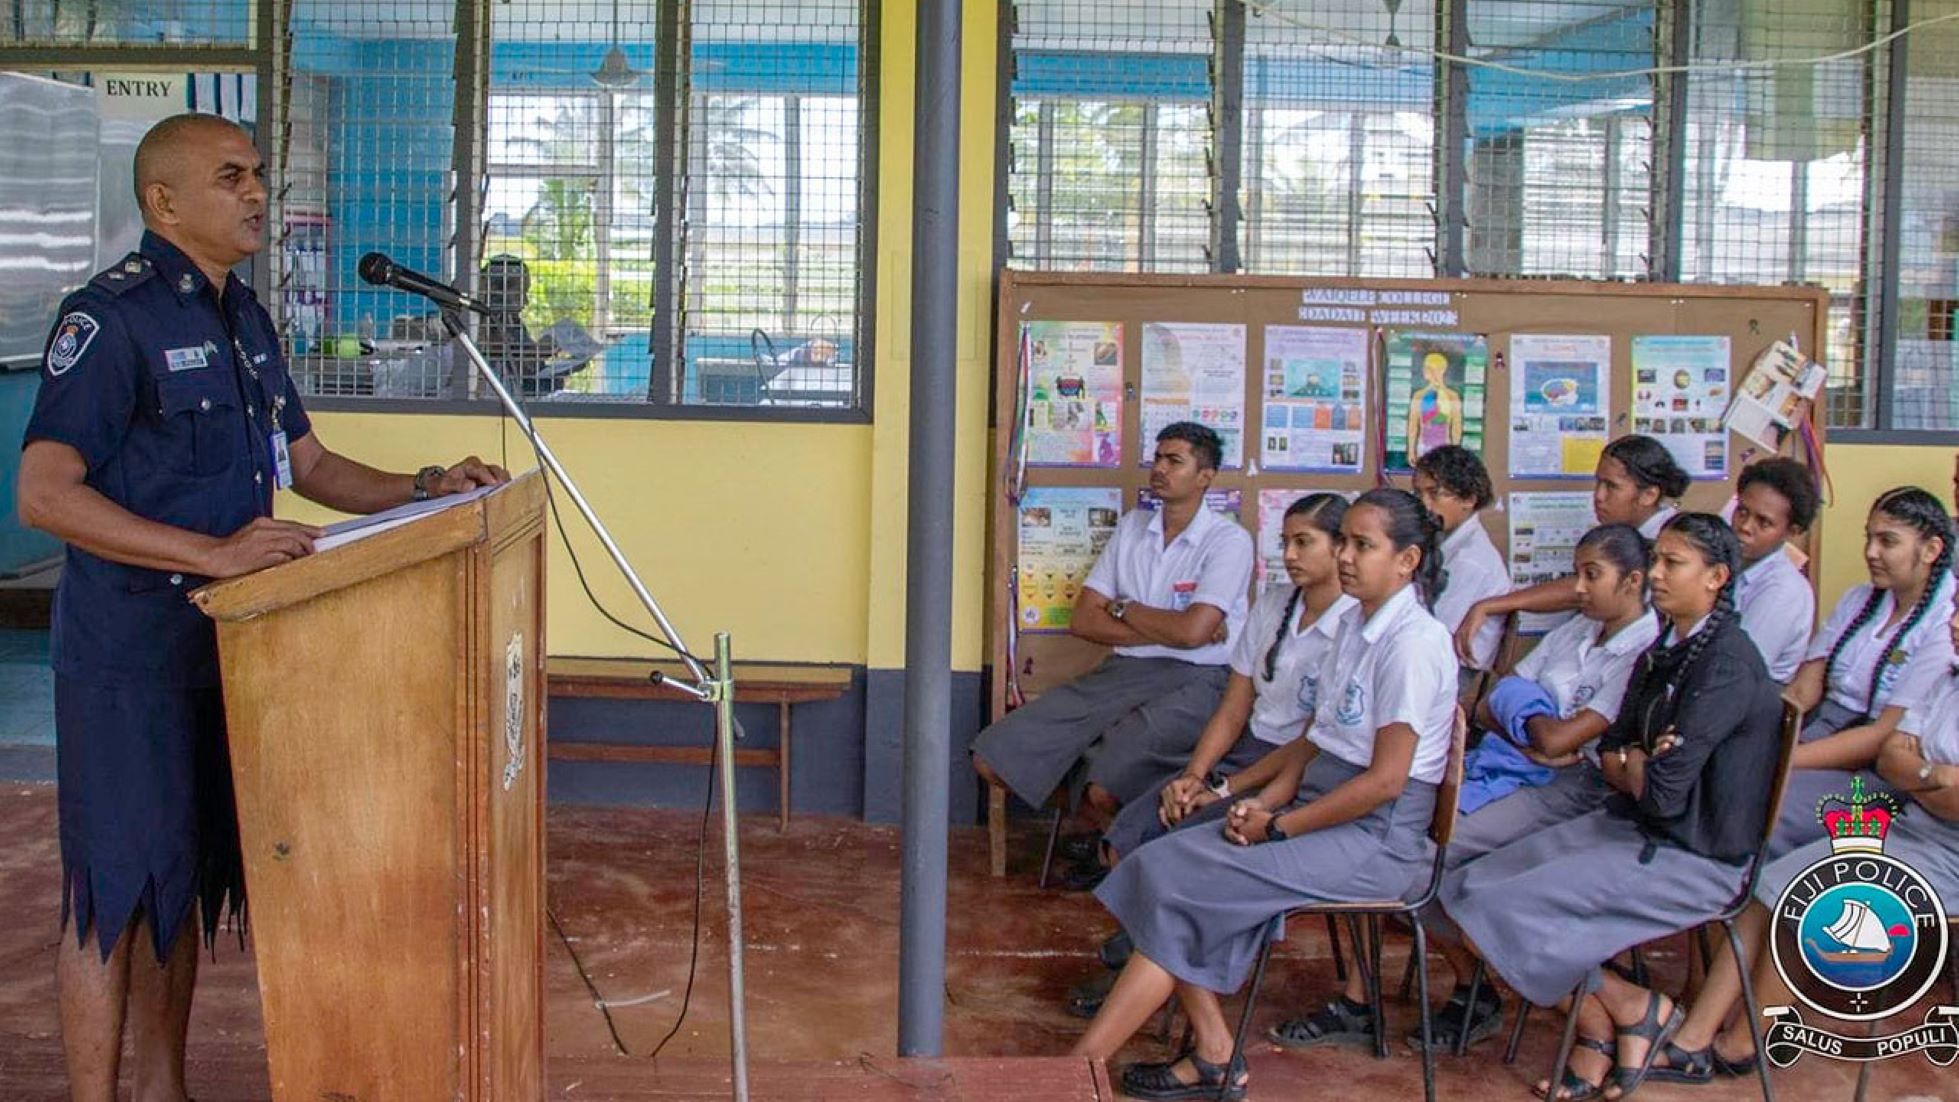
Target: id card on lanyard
{"points": [[281, 461]]}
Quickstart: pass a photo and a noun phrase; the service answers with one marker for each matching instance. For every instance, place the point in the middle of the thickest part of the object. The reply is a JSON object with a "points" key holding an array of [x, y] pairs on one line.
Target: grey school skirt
{"points": [[1796, 825], [1545, 911], [1200, 905], [1137, 823], [1576, 790]]}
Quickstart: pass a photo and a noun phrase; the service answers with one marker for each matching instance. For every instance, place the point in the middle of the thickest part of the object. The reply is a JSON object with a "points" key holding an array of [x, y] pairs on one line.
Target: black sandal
{"points": [[1577, 1088], [1656, 1034], [1683, 1065], [1159, 1082], [1336, 1023], [1733, 1069], [1485, 1022]]}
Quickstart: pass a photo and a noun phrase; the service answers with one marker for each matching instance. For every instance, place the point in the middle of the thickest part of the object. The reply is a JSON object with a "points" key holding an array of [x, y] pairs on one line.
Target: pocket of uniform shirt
{"points": [[201, 408], [1181, 595]]}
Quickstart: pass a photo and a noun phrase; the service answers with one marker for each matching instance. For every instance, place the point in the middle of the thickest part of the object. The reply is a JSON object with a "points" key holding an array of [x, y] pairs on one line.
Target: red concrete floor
{"points": [[821, 906]]}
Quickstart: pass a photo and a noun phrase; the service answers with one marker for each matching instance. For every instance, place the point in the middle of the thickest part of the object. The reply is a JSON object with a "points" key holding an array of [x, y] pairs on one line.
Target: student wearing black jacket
{"points": [[1691, 758]]}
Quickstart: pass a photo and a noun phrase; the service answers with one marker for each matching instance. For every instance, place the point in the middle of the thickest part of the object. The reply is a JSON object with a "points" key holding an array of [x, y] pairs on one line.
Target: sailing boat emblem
{"points": [[1862, 935]]}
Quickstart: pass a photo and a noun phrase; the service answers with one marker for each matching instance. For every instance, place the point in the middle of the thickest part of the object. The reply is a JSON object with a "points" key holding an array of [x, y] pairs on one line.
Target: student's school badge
{"points": [[1859, 936], [71, 338]]}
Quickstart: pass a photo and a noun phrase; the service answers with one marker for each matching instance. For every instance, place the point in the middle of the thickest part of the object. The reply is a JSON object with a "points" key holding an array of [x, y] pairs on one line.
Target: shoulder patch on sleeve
{"points": [[130, 271], [71, 340]]}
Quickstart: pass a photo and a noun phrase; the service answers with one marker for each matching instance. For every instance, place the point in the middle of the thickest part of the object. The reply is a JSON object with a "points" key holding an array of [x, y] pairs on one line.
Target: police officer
{"points": [[165, 421]]}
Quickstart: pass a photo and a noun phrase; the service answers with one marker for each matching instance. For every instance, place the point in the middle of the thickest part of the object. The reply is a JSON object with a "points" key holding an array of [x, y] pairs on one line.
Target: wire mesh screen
{"points": [[365, 164], [1111, 144], [1775, 180], [1927, 368], [1561, 138], [181, 23], [1339, 137], [773, 221]]}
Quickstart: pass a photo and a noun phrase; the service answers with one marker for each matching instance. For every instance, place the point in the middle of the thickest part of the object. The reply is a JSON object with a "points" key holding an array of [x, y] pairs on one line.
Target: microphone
{"points": [[377, 269]]}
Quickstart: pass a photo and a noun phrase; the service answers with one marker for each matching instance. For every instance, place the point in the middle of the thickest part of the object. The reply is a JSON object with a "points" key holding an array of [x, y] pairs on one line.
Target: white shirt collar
{"points": [[1376, 625], [1628, 638], [1691, 632], [1198, 523], [1462, 537], [1328, 623]]}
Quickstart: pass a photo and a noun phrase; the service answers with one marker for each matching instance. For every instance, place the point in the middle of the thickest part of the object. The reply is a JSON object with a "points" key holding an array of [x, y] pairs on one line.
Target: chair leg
{"points": [[1047, 858], [1475, 989], [1408, 978], [1374, 988], [1517, 1031], [1428, 1024], [1333, 943], [1245, 1018], [1566, 1042], [996, 830], [1707, 947], [1754, 1011], [1639, 973], [1863, 1081]]}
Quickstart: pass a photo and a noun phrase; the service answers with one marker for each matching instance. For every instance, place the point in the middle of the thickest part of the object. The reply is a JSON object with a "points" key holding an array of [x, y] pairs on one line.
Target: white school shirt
{"points": [[1849, 686], [1476, 571], [1282, 706], [1777, 608], [1579, 672], [1934, 715], [1398, 666], [1209, 563], [1651, 529]]}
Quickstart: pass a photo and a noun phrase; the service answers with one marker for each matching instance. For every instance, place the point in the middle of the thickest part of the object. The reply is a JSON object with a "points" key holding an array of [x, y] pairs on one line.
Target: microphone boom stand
{"points": [[717, 689]]}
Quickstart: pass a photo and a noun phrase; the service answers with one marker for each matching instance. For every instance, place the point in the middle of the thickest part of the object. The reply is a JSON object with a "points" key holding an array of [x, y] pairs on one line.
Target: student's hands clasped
{"points": [[1182, 796], [1247, 821]]}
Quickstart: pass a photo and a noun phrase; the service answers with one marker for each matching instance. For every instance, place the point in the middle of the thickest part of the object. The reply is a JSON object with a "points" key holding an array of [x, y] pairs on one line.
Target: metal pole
{"points": [[928, 558], [1228, 100], [1881, 368], [724, 743], [488, 374]]}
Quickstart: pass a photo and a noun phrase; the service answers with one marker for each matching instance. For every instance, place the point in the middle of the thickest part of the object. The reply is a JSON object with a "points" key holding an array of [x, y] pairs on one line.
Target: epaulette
{"points": [[130, 271]]}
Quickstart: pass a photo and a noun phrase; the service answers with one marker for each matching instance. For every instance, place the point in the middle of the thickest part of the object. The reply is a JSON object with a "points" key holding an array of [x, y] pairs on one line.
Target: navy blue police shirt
{"points": [[172, 397]]}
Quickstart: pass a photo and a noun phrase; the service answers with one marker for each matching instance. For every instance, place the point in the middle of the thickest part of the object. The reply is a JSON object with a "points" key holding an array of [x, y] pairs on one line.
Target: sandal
{"points": [[1114, 952], [1734, 1069], [1575, 1087], [1085, 999], [1079, 847], [1160, 1082], [1336, 1023], [1683, 1065], [1485, 1023], [1655, 1033]]}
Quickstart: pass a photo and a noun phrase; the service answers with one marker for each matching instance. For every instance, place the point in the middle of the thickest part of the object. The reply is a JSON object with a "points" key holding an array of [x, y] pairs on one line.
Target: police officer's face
{"points": [[215, 207]]}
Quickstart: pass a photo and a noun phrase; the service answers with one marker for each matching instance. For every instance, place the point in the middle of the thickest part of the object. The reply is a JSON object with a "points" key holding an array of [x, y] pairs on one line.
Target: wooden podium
{"points": [[385, 701]]}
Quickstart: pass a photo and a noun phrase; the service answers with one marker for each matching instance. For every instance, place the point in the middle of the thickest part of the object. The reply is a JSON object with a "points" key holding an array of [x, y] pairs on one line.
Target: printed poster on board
{"points": [[1073, 393], [1315, 416], [1435, 394], [1194, 372]]}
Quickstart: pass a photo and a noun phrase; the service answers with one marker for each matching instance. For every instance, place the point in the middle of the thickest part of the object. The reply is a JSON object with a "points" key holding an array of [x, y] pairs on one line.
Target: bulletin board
{"points": [[1091, 365]]}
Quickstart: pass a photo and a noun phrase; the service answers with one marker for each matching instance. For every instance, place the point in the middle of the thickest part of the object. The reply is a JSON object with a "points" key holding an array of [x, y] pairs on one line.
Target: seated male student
{"points": [[1776, 503], [1454, 485], [1169, 593]]}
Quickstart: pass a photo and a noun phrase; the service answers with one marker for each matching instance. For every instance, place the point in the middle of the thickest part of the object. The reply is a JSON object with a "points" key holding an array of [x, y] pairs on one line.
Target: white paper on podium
{"points": [[359, 528]]}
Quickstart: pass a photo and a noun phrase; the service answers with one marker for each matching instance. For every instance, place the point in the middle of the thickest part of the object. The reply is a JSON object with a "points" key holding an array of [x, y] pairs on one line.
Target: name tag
{"points": [[185, 359], [1181, 594], [281, 461]]}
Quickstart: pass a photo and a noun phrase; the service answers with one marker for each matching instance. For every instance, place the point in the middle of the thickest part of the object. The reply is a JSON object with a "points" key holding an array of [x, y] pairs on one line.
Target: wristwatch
{"points": [[422, 479], [1925, 772], [1219, 783], [1117, 608], [1274, 832]]}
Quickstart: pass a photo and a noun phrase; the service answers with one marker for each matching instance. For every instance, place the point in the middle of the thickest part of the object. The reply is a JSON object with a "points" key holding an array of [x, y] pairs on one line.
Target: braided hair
{"points": [[1410, 524], [1718, 546], [1924, 514], [1325, 511]]}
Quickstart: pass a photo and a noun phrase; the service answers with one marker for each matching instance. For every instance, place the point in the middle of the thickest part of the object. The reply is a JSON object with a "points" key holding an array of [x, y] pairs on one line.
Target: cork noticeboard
{"points": [[1393, 313]]}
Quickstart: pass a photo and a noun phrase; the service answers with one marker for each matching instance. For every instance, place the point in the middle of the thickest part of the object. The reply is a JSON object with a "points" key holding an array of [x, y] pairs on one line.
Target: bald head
{"points": [[178, 149]]}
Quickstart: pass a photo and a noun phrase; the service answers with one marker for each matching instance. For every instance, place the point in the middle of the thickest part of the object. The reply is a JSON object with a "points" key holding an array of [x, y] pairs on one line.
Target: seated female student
{"points": [[1920, 760], [1345, 821], [1854, 683], [1775, 503], [1274, 682], [1538, 767], [1635, 479], [1691, 759], [1453, 483]]}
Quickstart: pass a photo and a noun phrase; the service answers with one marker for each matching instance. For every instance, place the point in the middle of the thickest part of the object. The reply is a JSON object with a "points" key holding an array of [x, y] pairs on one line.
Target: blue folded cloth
{"points": [[1515, 702], [1494, 770]]}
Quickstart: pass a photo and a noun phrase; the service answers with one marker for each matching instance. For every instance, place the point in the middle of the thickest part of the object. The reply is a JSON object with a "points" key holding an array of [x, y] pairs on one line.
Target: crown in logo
{"points": [[1859, 821]]}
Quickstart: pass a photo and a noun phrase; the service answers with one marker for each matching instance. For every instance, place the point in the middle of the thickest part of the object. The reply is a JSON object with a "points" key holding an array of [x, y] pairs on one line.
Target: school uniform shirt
{"points": [[1283, 706], [1476, 571], [1777, 608], [1582, 673], [1209, 563], [1850, 682], [1397, 666], [1651, 528], [1934, 715]]}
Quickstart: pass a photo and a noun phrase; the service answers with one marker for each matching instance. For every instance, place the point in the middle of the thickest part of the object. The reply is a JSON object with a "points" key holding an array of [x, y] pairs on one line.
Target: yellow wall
{"points": [[1860, 473], [791, 537]]}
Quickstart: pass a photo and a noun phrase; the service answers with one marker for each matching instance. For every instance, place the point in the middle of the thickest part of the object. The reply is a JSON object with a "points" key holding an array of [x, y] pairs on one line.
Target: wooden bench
{"points": [[631, 679]]}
